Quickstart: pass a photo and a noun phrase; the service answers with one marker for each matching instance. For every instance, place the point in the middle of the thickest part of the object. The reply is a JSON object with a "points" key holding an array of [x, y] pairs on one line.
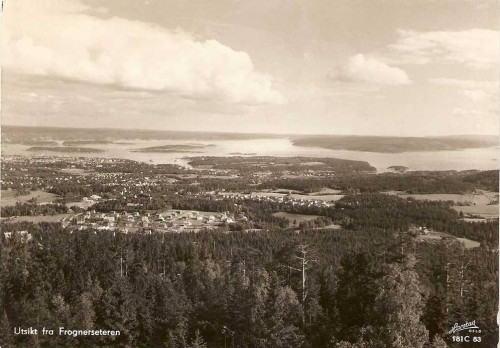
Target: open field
{"points": [[474, 219], [469, 244], [326, 191], [40, 218], [296, 196], [483, 210], [320, 196], [479, 198], [297, 218], [329, 227], [183, 212], [480, 203], [317, 197], [8, 197], [209, 176], [76, 171]]}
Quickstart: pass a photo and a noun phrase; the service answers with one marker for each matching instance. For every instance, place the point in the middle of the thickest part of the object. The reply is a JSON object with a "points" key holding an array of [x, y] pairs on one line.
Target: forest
{"points": [[30, 208], [280, 164], [245, 289], [411, 182]]}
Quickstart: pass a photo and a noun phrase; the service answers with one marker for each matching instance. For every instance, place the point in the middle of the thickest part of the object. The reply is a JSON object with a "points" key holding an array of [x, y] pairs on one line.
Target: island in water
{"points": [[398, 169]]}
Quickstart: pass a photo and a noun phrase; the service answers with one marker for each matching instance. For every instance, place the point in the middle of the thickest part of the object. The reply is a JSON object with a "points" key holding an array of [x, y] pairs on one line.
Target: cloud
{"points": [[469, 84], [478, 91], [476, 95], [460, 112], [485, 104], [61, 39], [474, 48], [370, 70]]}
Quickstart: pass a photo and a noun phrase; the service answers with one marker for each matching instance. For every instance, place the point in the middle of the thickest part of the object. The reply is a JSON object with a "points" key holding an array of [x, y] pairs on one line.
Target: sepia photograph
{"points": [[249, 174]]}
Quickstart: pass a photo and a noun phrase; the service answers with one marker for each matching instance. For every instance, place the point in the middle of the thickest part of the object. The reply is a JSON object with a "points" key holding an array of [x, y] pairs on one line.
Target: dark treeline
{"points": [[129, 166], [280, 164], [244, 289], [395, 213], [31, 208], [412, 182], [360, 211]]}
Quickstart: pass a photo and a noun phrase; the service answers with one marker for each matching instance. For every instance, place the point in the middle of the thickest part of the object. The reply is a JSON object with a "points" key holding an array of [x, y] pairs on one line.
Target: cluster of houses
{"points": [[25, 236], [17, 174], [419, 231], [308, 202], [169, 221]]}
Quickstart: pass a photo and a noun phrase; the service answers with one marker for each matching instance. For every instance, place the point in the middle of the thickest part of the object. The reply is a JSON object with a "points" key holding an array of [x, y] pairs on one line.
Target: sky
{"points": [[379, 67]]}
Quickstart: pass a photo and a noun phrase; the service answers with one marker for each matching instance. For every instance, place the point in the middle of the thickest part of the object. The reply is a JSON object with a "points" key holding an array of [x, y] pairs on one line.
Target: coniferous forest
{"points": [[367, 287]]}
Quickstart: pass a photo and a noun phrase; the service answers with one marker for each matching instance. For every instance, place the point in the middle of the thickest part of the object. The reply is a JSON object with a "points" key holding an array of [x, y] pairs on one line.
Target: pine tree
{"points": [[457, 282], [301, 260]]}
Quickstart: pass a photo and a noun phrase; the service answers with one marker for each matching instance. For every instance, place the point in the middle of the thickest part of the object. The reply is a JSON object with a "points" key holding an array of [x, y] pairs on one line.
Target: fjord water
{"points": [[481, 159]]}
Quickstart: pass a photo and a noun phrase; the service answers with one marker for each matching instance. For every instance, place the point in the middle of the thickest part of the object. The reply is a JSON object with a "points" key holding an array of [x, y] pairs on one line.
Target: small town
{"points": [[174, 221]]}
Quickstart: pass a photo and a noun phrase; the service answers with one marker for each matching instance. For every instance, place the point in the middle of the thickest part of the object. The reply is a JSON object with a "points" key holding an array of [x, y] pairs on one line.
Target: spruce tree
{"points": [[438, 342], [198, 341], [5, 330], [400, 305]]}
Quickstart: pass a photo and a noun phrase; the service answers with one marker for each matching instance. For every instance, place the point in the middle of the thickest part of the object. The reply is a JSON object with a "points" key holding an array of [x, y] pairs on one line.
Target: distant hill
{"points": [[387, 144], [85, 136], [396, 144]]}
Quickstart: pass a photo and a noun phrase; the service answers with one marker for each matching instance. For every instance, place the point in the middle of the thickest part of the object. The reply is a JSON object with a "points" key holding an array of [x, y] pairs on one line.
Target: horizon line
{"points": [[245, 133]]}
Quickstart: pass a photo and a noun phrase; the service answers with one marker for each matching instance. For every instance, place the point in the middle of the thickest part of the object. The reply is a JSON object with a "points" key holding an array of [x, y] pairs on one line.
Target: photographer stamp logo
{"points": [[461, 333]]}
